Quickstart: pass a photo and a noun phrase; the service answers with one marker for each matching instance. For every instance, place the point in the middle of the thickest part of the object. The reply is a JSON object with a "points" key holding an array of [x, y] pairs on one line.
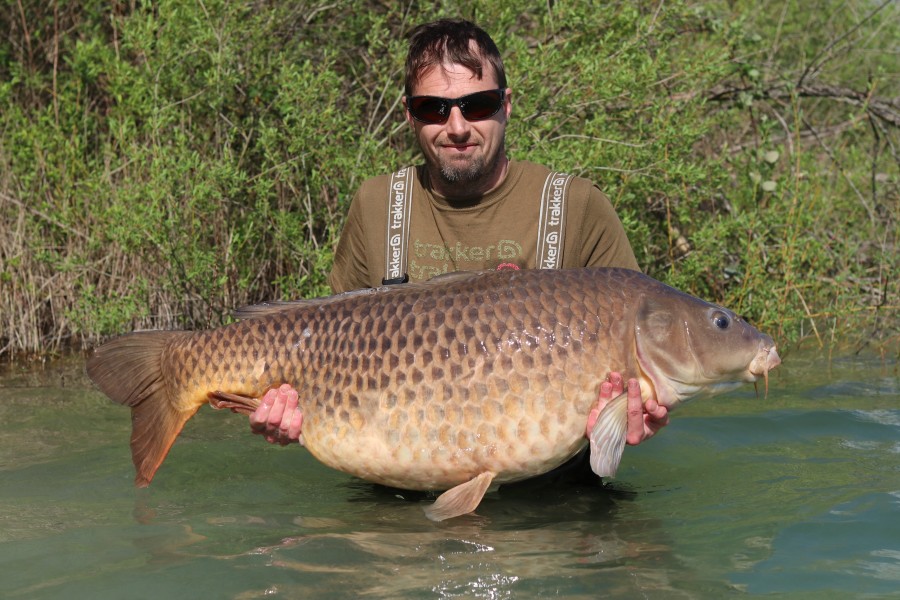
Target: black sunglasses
{"points": [[474, 107]]}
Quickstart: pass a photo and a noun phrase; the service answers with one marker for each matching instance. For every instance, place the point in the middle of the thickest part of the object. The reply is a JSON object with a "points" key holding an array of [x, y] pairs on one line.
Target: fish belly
{"points": [[436, 438]]}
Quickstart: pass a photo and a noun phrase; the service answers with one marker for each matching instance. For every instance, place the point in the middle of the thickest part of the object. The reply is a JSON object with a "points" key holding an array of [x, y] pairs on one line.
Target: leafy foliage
{"points": [[163, 163]]}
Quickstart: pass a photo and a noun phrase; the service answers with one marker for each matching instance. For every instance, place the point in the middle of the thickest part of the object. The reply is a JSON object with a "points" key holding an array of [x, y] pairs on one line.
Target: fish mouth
{"points": [[765, 360]]}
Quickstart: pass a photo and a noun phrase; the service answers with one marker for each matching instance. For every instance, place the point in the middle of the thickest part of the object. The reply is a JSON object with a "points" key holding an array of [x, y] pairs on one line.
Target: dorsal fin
{"points": [[453, 276], [270, 308]]}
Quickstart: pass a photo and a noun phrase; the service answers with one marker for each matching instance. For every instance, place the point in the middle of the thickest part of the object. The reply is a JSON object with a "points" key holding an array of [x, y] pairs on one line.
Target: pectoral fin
{"points": [[460, 500], [608, 437], [238, 404]]}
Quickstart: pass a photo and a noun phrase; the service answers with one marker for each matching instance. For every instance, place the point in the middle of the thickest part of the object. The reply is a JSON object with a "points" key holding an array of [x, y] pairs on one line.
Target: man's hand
{"points": [[644, 418], [278, 417]]}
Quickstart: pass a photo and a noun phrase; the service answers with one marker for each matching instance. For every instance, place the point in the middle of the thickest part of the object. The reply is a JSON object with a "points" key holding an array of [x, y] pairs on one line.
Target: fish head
{"points": [[687, 347]]}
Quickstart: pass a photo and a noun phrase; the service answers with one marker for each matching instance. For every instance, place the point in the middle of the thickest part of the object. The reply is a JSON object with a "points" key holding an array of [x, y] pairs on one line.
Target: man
{"points": [[468, 207]]}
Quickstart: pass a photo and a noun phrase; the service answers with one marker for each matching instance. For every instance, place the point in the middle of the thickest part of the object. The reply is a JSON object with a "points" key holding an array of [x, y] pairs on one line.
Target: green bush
{"points": [[164, 163]]}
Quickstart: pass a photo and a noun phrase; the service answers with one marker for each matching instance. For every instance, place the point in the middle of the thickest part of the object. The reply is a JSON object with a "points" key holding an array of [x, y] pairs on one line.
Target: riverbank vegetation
{"points": [[163, 163]]}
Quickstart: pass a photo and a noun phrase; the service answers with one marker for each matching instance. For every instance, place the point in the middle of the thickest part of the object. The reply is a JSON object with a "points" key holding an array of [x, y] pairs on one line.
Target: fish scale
{"points": [[430, 386], [440, 413]]}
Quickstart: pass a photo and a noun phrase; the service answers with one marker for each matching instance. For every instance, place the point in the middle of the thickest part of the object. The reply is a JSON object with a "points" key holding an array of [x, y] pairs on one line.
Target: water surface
{"points": [[796, 495]]}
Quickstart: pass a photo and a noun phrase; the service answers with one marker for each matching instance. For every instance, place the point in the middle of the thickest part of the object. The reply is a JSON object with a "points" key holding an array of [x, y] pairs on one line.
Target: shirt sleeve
{"points": [[351, 270], [603, 239]]}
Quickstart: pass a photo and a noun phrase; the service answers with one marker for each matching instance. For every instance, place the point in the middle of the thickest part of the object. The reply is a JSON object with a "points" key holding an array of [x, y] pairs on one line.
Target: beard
{"points": [[469, 174], [454, 172]]}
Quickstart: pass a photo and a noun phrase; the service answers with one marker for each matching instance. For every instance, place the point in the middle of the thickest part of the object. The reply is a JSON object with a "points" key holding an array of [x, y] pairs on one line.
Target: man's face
{"points": [[464, 158]]}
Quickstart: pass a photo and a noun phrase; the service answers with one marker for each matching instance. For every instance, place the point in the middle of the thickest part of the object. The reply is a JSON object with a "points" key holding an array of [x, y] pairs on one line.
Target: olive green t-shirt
{"points": [[501, 227]]}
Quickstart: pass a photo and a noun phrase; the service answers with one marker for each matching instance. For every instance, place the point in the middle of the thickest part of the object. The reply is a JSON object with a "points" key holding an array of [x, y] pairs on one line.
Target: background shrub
{"points": [[162, 163]]}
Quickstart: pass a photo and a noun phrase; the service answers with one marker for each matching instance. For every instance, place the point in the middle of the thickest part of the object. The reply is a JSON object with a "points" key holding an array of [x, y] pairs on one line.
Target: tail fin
{"points": [[129, 370]]}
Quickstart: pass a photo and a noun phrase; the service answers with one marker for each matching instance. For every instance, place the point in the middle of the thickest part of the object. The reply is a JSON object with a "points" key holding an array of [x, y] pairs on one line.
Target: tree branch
{"points": [[886, 109]]}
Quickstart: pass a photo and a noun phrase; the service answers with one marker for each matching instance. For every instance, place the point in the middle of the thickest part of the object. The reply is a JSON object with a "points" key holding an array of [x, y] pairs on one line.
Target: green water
{"points": [[792, 496]]}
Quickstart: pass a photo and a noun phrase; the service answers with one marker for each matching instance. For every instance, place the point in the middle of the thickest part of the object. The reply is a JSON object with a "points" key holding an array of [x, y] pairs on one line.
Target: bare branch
{"points": [[886, 109], [815, 63]]}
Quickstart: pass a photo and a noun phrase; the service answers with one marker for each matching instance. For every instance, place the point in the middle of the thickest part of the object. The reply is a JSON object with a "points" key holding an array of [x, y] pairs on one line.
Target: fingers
{"points": [[644, 419], [618, 383], [609, 389], [657, 416], [592, 418], [292, 418], [278, 405], [259, 419], [278, 417], [635, 433], [606, 392], [295, 426]]}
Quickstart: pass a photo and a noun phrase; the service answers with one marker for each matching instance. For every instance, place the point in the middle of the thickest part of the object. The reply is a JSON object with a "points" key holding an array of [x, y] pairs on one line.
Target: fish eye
{"points": [[721, 321]]}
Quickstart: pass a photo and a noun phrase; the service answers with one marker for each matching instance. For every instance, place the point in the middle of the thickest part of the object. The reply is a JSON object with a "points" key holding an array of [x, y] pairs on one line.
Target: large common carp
{"points": [[454, 384]]}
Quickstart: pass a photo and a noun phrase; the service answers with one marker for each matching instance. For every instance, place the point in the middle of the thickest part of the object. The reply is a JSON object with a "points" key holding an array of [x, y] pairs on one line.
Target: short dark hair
{"points": [[448, 40]]}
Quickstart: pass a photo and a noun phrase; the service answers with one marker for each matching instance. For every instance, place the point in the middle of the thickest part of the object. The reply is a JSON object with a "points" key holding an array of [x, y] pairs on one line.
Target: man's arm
{"points": [[600, 239], [359, 255]]}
